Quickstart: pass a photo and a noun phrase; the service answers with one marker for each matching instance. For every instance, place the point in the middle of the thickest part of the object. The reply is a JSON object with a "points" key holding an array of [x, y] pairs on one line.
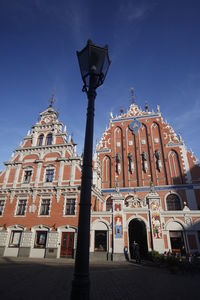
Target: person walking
{"points": [[133, 249], [137, 253]]}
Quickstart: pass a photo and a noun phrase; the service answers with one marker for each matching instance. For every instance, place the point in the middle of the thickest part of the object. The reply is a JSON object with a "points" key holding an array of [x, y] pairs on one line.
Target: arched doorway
{"points": [[137, 232]]}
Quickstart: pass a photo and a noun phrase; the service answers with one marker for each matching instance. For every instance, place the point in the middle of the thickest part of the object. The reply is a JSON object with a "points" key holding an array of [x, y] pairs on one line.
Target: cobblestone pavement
{"points": [[29, 279]]}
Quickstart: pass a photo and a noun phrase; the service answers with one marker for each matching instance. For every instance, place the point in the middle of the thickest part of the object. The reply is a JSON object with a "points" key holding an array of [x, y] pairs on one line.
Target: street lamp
{"points": [[94, 63]]}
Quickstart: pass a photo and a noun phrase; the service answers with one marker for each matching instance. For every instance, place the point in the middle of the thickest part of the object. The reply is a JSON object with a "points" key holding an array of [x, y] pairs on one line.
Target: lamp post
{"points": [[94, 63]]}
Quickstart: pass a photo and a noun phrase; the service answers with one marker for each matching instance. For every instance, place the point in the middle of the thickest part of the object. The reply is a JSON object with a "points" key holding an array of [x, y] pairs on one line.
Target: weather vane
{"points": [[52, 99], [132, 95]]}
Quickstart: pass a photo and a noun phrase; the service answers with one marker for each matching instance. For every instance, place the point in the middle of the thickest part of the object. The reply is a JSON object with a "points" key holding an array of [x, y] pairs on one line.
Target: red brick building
{"points": [[151, 185], [146, 188], [40, 191]]}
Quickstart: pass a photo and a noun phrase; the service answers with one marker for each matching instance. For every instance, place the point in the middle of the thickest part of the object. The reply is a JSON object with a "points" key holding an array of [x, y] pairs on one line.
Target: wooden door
{"points": [[67, 244]]}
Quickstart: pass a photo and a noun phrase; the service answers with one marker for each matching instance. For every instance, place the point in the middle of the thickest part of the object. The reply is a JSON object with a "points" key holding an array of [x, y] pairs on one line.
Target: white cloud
{"points": [[131, 11]]}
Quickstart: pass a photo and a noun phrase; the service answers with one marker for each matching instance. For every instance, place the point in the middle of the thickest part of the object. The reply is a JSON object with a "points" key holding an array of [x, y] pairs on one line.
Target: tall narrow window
{"points": [[70, 207], [49, 139], [27, 176], [21, 208], [49, 175], [40, 139], [45, 205], [109, 204], [2, 203]]}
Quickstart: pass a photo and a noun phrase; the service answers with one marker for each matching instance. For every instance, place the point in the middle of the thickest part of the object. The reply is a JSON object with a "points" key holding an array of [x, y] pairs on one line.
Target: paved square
{"points": [[22, 279]]}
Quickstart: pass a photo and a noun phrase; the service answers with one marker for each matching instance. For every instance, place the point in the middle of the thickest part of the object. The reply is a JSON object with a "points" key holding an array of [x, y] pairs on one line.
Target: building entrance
{"points": [[67, 244], [177, 242], [137, 232], [100, 240]]}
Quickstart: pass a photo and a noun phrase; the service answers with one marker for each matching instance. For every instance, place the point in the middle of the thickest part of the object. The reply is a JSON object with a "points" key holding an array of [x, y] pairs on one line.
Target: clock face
{"points": [[46, 120], [134, 126]]}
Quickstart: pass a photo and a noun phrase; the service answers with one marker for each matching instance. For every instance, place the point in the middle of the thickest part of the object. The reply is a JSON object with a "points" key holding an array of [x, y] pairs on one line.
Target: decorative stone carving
{"points": [[134, 202], [32, 208], [12, 195], [58, 195]]}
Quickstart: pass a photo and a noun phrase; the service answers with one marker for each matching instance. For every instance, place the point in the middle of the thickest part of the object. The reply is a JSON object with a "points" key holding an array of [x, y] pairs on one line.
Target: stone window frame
{"points": [[49, 167], [45, 197], [180, 199], [70, 197], [25, 169], [39, 138], [25, 198], [4, 204], [40, 230], [47, 139], [14, 230]]}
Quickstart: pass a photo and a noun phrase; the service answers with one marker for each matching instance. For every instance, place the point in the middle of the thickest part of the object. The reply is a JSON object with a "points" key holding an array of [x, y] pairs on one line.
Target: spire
{"points": [[132, 95], [146, 107], [52, 99]]}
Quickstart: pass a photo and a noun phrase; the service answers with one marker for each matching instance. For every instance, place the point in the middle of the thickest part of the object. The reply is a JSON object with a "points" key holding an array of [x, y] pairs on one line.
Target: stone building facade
{"points": [[146, 188]]}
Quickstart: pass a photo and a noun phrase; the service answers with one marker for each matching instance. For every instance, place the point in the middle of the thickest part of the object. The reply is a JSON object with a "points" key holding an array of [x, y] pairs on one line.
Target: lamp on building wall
{"points": [[94, 63]]}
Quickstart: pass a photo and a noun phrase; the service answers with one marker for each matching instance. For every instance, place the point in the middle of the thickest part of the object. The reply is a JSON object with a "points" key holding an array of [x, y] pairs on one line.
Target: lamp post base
{"points": [[80, 288]]}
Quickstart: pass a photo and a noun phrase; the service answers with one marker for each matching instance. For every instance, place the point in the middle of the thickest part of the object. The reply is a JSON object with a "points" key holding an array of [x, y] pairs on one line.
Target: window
{"points": [[2, 203], [45, 205], [21, 208], [109, 204], [40, 140], [70, 207], [40, 239], [49, 175], [27, 176], [173, 202], [15, 239], [49, 139]]}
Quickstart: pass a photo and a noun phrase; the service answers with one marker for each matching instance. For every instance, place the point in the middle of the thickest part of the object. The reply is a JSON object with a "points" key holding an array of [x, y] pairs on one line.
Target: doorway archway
{"points": [[138, 233]]}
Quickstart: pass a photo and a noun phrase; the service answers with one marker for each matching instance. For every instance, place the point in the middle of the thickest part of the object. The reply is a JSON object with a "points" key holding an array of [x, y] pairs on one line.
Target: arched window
{"points": [[49, 139], [173, 202], [109, 204], [40, 139]]}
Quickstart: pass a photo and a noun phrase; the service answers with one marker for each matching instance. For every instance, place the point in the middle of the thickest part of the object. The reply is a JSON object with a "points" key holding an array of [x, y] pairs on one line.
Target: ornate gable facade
{"points": [[40, 192], [151, 184]]}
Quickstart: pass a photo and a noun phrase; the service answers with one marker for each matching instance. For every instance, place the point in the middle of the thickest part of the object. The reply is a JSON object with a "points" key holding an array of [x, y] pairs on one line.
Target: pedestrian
{"points": [[183, 251], [137, 253], [133, 249], [126, 253]]}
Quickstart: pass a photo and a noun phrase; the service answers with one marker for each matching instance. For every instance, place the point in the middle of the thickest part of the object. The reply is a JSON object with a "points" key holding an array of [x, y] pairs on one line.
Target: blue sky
{"points": [[154, 47]]}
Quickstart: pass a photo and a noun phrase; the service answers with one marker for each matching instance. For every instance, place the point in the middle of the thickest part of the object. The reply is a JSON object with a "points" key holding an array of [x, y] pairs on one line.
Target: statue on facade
{"points": [[144, 162], [130, 162], [118, 163], [158, 160]]}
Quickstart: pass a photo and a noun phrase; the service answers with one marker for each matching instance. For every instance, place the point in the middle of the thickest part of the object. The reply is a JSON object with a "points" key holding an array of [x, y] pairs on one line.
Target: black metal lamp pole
{"points": [[94, 63]]}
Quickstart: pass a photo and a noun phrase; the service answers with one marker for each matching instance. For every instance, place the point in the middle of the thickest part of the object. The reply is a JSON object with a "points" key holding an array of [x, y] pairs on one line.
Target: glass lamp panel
{"points": [[105, 65], [97, 56], [83, 58]]}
